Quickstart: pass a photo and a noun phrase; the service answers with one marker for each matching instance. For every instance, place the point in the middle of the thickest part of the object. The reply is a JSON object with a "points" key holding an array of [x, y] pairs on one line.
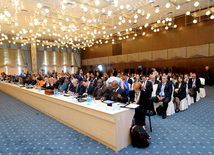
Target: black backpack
{"points": [[139, 136]]}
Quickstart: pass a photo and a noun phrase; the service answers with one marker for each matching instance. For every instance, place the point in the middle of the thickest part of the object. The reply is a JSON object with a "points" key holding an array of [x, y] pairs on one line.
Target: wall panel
{"points": [[198, 51]]}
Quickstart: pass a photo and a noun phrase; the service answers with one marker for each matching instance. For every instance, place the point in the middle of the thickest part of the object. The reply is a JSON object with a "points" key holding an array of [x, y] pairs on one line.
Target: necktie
{"points": [[162, 89]]}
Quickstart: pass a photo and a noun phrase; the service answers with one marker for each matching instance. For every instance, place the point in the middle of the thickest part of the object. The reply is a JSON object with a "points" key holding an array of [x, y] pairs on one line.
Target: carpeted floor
{"points": [[24, 130]]}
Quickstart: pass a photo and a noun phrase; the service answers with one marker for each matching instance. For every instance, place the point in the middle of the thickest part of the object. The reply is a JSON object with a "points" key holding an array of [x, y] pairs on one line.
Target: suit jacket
{"points": [[197, 83], [156, 82], [208, 73], [100, 92], [94, 82], [160, 78], [149, 88], [143, 101], [90, 89], [181, 92], [167, 89], [80, 89], [121, 92]]}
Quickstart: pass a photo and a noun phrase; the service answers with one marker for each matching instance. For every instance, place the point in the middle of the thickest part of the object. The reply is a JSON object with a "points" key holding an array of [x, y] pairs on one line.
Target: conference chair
{"points": [[202, 89]]}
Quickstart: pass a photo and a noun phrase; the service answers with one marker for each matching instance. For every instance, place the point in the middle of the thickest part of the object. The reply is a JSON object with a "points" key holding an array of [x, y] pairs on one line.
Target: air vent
{"points": [[24, 10], [156, 6]]}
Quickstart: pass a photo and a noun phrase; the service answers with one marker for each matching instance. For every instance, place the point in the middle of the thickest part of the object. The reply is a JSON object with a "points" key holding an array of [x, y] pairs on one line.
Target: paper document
{"points": [[132, 106]]}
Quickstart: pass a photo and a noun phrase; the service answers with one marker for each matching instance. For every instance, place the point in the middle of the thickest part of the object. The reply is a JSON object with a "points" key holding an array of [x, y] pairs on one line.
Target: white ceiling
{"points": [[26, 23]]}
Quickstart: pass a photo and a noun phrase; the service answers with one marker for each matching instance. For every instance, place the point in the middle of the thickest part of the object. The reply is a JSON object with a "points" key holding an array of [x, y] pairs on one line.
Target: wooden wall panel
{"points": [[145, 56], [212, 49], [113, 59], [122, 58], [96, 61], [159, 55], [198, 51], [104, 60], [133, 57], [84, 62], [177, 53], [90, 61]]}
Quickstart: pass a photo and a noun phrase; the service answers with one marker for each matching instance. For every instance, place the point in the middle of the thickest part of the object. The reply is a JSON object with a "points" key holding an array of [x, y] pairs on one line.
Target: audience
{"points": [[119, 87]]}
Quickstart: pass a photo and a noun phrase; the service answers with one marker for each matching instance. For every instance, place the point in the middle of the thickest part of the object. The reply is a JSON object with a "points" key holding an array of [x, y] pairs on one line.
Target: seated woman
{"points": [[62, 85], [138, 96], [179, 92]]}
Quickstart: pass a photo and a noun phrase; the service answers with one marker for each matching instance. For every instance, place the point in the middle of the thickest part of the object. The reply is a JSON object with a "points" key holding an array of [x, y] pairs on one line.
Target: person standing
{"points": [[208, 76]]}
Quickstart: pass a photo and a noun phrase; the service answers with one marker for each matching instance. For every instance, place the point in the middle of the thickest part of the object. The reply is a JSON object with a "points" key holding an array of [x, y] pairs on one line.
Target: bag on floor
{"points": [[160, 110], [139, 136]]}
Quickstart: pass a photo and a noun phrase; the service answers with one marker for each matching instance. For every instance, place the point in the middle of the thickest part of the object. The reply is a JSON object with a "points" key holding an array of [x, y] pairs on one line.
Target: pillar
{"points": [[34, 58]]}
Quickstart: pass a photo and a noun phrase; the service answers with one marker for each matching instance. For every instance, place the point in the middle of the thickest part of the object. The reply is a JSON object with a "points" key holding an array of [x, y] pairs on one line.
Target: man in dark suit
{"points": [[194, 84], [208, 76], [76, 88], [116, 93], [158, 77], [89, 88], [153, 80], [163, 94], [101, 90], [147, 86]]}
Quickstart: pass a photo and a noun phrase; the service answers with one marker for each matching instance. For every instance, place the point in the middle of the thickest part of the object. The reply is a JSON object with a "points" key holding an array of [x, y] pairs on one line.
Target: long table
{"points": [[109, 127]]}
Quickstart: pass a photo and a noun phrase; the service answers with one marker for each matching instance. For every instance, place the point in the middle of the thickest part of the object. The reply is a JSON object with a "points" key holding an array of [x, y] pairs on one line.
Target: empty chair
{"points": [[202, 89], [183, 104]]}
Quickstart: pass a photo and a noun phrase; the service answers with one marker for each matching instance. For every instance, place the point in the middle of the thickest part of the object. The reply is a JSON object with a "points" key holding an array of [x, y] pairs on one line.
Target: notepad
{"points": [[132, 106], [108, 101]]}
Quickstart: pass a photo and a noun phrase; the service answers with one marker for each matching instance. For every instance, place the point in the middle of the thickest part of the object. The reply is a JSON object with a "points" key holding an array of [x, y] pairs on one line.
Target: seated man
{"points": [[153, 80], [163, 94], [101, 90], [116, 93], [147, 86], [76, 88], [194, 83], [89, 88]]}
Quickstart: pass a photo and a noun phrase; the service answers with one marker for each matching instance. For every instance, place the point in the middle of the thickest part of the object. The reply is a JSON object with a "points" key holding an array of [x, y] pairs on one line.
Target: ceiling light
{"points": [[67, 19], [167, 5], [148, 15], [103, 27], [163, 21], [12, 31], [135, 16], [103, 10], [130, 20], [120, 18], [212, 17], [45, 21], [85, 9], [130, 29], [119, 23], [196, 4], [123, 21], [135, 34], [16, 24], [178, 7], [158, 21], [96, 11], [115, 27], [195, 21], [97, 2], [109, 13], [133, 38], [188, 13], [157, 10], [140, 27], [166, 28], [139, 11], [127, 37], [143, 33], [175, 26], [135, 21], [169, 24], [152, 28], [208, 12], [46, 11], [146, 25], [39, 5], [121, 7]]}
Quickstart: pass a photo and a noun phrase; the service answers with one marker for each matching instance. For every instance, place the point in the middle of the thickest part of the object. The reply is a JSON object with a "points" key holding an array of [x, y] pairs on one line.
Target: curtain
{"points": [[77, 57], [40, 55], [26, 54]]}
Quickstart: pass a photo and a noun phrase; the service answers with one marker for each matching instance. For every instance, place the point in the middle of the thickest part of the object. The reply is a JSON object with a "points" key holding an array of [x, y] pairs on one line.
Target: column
{"points": [[34, 58]]}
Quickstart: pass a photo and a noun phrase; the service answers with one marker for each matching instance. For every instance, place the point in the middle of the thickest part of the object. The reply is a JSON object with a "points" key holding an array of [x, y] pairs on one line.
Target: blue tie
{"points": [[162, 89]]}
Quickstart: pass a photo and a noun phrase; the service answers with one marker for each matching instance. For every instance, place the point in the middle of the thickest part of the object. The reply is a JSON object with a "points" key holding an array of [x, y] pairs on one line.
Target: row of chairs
{"points": [[185, 103]]}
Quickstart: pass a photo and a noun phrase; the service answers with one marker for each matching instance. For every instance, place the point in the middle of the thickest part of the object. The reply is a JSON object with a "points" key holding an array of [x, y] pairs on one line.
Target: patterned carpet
{"points": [[24, 130]]}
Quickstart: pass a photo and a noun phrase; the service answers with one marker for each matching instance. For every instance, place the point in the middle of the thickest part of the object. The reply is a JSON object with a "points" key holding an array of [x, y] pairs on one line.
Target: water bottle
{"points": [[25, 84], [18, 84], [57, 92], [6, 81], [39, 89], [29, 86], [89, 98], [54, 92]]}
